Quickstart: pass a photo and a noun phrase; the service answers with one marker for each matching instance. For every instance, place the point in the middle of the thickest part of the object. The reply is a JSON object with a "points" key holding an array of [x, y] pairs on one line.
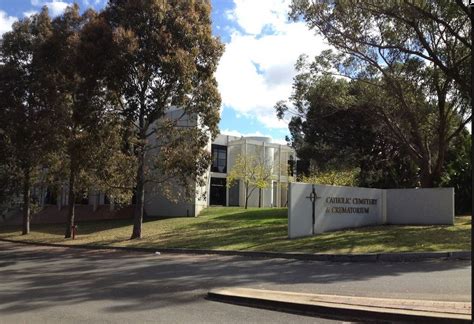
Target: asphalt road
{"points": [[60, 285]]}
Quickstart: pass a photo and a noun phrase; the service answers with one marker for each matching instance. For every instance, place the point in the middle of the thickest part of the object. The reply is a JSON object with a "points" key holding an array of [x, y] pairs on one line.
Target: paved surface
{"points": [[44, 284]]}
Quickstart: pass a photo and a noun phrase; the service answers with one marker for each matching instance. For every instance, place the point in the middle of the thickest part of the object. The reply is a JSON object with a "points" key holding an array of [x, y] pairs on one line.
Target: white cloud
{"points": [[253, 16], [30, 13], [55, 7], [6, 22], [257, 68], [90, 3]]}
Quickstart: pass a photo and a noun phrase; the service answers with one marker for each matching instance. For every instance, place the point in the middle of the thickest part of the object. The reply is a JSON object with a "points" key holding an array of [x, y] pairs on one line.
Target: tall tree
{"points": [[26, 117], [458, 173], [417, 54], [164, 59], [380, 32], [10, 175], [90, 126], [333, 126]]}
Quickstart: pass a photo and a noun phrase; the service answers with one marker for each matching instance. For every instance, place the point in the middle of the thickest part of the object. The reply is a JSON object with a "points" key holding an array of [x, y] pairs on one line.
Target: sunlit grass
{"points": [[233, 228]]}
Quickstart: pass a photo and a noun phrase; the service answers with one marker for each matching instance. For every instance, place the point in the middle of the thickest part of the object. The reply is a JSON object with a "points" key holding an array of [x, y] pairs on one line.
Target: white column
{"points": [[279, 177], [263, 191], [241, 184], [227, 171], [59, 198], [65, 196], [41, 196], [95, 201]]}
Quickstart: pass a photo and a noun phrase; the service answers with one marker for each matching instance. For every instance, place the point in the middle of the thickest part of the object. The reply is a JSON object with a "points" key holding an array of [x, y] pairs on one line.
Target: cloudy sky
{"points": [[256, 69]]}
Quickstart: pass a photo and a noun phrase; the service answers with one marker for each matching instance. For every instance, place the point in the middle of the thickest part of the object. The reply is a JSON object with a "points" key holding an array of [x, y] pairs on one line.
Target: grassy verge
{"points": [[255, 230]]}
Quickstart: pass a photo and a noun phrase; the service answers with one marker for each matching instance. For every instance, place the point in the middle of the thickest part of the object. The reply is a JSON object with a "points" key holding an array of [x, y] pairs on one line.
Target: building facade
{"points": [[225, 150]]}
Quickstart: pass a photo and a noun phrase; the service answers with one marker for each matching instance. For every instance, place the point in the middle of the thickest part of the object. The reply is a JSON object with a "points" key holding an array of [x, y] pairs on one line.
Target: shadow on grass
{"points": [[84, 227], [252, 233], [262, 239], [263, 230], [241, 214]]}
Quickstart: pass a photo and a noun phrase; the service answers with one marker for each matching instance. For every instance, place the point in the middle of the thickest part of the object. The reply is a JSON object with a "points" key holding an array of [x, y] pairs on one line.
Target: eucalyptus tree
{"points": [[163, 73], [92, 148], [414, 59], [378, 32], [333, 127], [28, 133]]}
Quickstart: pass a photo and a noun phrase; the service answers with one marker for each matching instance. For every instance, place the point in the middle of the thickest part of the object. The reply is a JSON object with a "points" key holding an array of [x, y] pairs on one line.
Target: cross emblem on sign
{"points": [[312, 197]]}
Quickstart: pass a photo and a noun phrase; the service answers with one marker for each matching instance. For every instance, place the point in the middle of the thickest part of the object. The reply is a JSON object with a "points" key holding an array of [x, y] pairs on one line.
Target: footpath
{"points": [[348, 307]]}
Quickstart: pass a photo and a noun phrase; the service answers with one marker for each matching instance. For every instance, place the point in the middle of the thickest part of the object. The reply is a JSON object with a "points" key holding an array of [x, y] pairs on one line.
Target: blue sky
{"points": [[256, 69]]}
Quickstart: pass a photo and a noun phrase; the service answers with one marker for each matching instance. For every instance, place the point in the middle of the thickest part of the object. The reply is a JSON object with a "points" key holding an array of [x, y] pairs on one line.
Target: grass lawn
{"points": [[233, 228]]}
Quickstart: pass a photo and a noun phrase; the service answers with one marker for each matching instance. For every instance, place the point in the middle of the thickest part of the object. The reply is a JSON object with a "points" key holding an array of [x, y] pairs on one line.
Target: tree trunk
{"points": [[426, 179], [472, 96], [260, 197], [246, 196], [140, 194], [26, 202], [438, 169], [71, 204]]}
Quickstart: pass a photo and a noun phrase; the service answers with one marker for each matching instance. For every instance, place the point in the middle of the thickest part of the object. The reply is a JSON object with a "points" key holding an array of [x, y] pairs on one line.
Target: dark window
{"points": [[219, 159], [302, 168], [51, 197], [218, 192], [291, 167], [82, 198]]}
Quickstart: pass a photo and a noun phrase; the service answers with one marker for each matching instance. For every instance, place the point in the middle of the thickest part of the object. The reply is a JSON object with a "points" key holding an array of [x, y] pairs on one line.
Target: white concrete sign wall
{"points": [[338, 207], [420, 206], [335, 208]]}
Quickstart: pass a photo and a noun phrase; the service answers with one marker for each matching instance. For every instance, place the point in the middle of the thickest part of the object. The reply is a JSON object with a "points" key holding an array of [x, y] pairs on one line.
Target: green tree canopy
{"points": [[27, 120], [92, 154], [413, 59], [164, 58], [333, 126]]}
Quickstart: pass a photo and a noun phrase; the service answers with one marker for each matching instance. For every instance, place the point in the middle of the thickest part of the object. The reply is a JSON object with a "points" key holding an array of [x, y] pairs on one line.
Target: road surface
{"points": [[46, 284]]}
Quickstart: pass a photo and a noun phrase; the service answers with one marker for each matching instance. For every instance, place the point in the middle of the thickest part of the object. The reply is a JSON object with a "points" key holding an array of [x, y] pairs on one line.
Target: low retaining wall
{"points": [[339, 207]]}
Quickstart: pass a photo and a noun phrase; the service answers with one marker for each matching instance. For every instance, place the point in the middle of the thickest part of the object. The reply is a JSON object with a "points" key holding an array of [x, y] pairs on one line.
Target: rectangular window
{"points": [[218, 191], [219, 158], [291, 167], [82, 198]]}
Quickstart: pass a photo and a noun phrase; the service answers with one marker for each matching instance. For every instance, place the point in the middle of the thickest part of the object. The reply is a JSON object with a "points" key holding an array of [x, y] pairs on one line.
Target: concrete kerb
{"points": [[347, 307], [370, 257]]}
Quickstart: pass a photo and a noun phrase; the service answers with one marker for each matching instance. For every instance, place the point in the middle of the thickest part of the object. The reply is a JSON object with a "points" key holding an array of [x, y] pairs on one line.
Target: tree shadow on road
{"points": [[35, 278]]}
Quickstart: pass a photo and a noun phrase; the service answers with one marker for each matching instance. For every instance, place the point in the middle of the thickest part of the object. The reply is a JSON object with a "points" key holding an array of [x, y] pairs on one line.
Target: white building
{"points": [[225, 149]]}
